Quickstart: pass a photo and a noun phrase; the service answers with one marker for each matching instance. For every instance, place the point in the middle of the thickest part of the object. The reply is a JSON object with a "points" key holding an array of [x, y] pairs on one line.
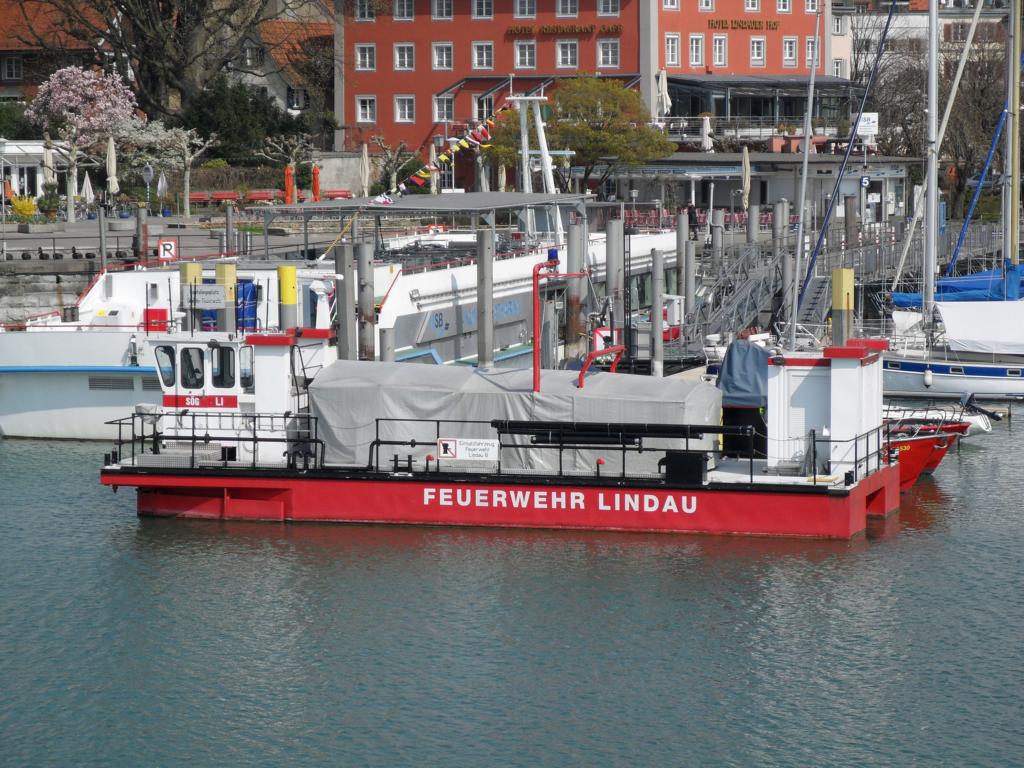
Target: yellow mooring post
{"points": [[226, 276], [288, 289], [842, 306]]}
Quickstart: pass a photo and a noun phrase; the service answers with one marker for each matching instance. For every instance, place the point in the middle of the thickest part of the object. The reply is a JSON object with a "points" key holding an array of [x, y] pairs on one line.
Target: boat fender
{"points": [[928, 377]]}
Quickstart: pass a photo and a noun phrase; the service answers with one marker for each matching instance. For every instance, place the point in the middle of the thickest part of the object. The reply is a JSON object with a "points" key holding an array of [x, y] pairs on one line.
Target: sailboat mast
{"points": [[802, 198], [1015, 31], [931, 220]]}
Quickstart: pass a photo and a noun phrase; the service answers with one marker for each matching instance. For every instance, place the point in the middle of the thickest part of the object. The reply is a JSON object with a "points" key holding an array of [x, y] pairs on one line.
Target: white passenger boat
{"points": [[66, 377]]}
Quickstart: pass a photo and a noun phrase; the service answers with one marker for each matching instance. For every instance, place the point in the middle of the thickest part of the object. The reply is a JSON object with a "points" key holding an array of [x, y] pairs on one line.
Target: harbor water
{"points": [[127, 641]]}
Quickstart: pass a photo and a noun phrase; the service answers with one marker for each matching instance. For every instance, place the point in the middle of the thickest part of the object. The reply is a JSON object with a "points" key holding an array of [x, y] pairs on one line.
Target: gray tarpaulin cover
{"points": [[744, 375], [348, 397]]}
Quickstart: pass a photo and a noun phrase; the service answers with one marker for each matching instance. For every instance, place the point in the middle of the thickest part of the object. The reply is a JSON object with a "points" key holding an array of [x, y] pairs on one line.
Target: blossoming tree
{"points": [[81, 107]]}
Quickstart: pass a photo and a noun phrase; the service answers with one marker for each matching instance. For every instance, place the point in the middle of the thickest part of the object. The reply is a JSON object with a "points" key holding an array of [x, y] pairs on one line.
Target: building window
{"points": [[442, 55], [298, 98], [366, 10], [789, 51], [366, 109], [13, 67], [403, 10], [607, 53], [483, 9], [812, 53], [706, 5], [366, 57], [671, 50], [670, 5], [838, 68], [526, 54], [751, 6], [405, 57], [696, 50], [441, 10], [483, 55], [568, 54], [720, 50], [784, 6], [811, 6], [252, 56], [757, 51], [405, 109], [838, 25], [526, 9], [608, 8], [568, 8], [444, 109], [484, 107]]}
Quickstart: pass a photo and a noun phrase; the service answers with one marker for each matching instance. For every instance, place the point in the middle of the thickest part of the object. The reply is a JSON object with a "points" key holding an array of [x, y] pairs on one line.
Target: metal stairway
{"points": [[817, 301]]}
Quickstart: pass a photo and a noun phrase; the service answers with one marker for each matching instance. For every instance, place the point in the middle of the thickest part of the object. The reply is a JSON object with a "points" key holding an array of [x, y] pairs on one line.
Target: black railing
{"points": [[226, 433], [624, 438]]}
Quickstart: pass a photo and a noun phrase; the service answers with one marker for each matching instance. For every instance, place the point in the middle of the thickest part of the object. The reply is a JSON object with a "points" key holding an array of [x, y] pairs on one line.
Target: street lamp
{"points": [[147, 176]]}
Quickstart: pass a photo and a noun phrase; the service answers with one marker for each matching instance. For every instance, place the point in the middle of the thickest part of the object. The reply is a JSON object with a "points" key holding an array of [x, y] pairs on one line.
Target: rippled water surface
{"points": [[148, 642]]}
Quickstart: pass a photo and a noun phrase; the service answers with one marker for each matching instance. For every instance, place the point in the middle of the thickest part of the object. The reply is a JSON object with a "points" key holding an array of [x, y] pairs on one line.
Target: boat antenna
{"points": [[802, 197]]}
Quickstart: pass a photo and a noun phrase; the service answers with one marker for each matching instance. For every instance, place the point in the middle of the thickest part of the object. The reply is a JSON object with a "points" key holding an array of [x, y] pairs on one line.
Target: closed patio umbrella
{"points": [[664, 100], [364, 171], [316, 184], [746, 178], [88, 196], [706, 145], [112, 186], [289, 185]]}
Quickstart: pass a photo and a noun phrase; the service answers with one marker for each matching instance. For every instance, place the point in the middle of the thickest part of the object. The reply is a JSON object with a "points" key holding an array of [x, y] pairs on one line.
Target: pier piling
{"points": [[364, 277]]}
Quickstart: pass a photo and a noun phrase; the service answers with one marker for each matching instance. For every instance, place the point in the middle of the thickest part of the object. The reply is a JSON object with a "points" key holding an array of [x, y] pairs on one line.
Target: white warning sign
{"points": [[166, 249], [466, 449]]}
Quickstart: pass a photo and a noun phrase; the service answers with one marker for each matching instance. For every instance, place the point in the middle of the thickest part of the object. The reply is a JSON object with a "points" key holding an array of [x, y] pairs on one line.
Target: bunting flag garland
{"points": [[478, 137]]}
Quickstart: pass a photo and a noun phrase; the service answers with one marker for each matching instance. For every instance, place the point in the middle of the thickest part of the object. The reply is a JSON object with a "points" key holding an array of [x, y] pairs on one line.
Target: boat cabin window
{"points": [[245, 374], [1013, 371], [192, 368], [893, 365], [956, 370], [222, 367], [165, 365]]}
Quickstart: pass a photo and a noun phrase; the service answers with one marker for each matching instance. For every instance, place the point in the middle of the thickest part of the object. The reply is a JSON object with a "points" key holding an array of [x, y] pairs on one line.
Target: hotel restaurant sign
{"points": [[565, 29], [757, 25]]}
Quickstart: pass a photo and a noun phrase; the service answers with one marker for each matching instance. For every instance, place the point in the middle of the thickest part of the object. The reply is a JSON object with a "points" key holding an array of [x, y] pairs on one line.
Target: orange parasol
{"points": [[316, 183], [289, 185]]}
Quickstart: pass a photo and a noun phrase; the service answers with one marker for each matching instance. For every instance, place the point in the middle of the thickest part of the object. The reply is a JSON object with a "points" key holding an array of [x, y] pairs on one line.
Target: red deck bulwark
{"points": [[418, 502]]}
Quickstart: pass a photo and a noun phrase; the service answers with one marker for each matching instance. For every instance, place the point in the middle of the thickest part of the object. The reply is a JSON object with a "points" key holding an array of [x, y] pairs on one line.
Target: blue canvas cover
{"points": [[743, 378], [990, 285]]}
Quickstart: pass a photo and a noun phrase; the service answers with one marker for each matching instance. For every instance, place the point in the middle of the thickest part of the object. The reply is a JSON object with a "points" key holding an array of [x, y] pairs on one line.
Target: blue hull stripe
{"points": [[992, 371], [125, 369]]}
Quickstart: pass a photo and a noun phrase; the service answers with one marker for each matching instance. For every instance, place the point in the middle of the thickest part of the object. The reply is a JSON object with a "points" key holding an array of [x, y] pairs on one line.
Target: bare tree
{"points": [[392, 160]]}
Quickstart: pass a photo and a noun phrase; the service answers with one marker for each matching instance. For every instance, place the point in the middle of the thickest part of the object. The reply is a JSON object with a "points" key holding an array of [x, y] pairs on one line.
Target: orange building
{"points": [[418, 69]]}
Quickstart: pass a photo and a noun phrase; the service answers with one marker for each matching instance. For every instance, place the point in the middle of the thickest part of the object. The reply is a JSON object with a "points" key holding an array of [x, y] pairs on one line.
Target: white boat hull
{"points": [[907, 377], [68, 404]]}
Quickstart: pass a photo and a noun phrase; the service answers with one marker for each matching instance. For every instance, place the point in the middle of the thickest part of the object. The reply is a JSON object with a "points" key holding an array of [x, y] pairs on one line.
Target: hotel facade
{"points": [[415, 70]]}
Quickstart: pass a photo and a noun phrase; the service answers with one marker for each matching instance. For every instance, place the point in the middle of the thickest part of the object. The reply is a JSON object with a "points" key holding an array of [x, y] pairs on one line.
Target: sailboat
{"points": [[978, 348]]}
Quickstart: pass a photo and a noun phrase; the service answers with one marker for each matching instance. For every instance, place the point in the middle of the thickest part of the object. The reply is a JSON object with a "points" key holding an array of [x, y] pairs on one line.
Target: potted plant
{"points": [[123, 213], [49, 201]]}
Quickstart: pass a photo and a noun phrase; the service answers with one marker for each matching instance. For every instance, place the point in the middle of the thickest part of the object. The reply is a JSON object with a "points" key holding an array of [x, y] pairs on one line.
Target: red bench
{"points": [[260, 195], [224, 196], [199, 197], [337, 194]]}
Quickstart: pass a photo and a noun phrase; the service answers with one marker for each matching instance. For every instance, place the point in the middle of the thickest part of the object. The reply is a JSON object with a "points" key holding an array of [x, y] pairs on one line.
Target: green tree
{"points": [[14, 125], [605, 124], [241, 117]]}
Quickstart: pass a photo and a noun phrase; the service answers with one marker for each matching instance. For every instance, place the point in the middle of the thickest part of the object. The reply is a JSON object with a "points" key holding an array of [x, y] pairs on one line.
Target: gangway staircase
{"points": [[739, 295], [817, 301]]}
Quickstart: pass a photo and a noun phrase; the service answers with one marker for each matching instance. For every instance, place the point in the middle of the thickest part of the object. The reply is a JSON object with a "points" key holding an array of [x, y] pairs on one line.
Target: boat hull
{"points": [[902, 377], [785, 510], [71, 404]]}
